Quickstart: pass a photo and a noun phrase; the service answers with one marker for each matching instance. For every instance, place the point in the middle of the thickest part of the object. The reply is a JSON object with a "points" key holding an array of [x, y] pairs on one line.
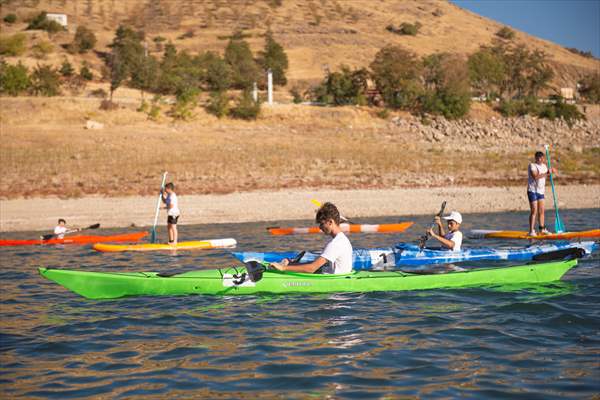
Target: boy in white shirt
{"points": [[337, 255], [61, 229], [536, 186], [171, 204], [453, 239]]}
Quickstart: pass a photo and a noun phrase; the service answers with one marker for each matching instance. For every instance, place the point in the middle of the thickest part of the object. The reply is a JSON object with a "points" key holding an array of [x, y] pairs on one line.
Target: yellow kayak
{"points": [[199, 244]]}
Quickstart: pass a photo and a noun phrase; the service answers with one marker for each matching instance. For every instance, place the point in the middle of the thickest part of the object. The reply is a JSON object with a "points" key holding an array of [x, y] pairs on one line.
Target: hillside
{"points": [[317, 34]]}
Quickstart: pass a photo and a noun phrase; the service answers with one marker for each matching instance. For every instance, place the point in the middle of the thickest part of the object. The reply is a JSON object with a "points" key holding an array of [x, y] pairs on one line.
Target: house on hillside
{"points": [[60, 18]]}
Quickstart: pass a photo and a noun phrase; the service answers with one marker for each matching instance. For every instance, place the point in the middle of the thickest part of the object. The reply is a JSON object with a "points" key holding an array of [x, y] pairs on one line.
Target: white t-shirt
{"points": [[536, 185], [456, 237], [60, 231], [172, 199], [339, 254]]}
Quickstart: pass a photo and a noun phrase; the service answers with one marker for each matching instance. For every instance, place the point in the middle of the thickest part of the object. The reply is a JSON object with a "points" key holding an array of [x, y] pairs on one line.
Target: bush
{"points": [[85, 72], [10, 18], [518, 108], [506, 33], [344, 87], [14, 79], [43, 23], [297, 96], [246, 108], [14, 45], [66, 69], [101, 93], [405, 28], [384, 113], [188, 34], [45, 81], [108, 105], [558, 109], [42, 49], [83, 41], [186, 101], [218, 104], [590, 88]]}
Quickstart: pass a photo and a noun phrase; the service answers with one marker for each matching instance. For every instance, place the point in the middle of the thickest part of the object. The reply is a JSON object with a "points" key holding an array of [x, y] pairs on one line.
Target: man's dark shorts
{"points": [[172, 220]]}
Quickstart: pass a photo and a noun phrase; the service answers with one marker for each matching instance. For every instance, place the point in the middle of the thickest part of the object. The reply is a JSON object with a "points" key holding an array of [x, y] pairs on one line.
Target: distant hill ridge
{"points": [[316, 34]]}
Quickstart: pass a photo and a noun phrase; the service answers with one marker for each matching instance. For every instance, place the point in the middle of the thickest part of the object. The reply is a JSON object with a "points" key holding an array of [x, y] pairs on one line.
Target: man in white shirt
{"points": [[172, 205], [536, 186], [337, 255], [453, 239]]}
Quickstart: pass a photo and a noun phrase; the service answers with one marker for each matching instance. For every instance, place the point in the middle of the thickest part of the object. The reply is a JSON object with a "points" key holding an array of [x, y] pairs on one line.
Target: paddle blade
{"points": [[48, 236], [95, 226], [316, 202], [153, 235]]}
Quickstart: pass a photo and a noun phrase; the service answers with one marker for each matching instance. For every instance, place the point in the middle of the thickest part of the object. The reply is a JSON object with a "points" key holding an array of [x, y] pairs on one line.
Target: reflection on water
{"points": [[539, 341]]}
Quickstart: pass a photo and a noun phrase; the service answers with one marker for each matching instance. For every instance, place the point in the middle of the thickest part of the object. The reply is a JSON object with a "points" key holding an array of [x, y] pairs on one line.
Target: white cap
{"points": [[454, 216]]}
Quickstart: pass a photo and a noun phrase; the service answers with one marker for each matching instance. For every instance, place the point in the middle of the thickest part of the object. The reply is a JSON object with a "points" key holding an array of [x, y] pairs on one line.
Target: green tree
{"points": [[126, 50], [83, 41], [397, 72], [218, 74], [244, 69], [344, 87], [144, 73], [273, 57], [14, 79], [590, 88], [218, 104], [486, 71], [246, 108], [186, 101], [66, 69], [85, 72], [447, 86], [10, 18], [45, 81]]}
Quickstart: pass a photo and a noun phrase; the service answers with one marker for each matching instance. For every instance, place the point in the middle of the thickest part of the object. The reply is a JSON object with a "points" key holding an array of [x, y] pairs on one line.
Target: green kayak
{"points": [[245, 280]]}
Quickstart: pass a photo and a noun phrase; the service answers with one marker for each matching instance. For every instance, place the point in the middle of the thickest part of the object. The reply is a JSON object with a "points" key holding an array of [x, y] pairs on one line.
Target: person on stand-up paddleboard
{"points": [[336, 258], [61, 229], [170, 199], [536, 186], [453, 239]]}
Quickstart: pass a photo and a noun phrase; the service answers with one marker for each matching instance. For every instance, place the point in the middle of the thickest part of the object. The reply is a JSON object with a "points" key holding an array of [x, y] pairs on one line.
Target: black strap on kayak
{"points": [[564, 254]]}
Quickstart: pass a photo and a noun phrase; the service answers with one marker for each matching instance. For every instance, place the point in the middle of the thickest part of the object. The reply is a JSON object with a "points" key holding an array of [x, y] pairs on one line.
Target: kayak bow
{"points": [[127, 237], [195, 245]]}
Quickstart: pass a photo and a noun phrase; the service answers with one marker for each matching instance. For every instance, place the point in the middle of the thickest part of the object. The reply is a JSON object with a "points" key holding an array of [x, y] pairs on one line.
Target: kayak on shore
{"points": [[405, 254], [492, 234], [127, 237], [253, 279], [195, 245], [346, 228]]}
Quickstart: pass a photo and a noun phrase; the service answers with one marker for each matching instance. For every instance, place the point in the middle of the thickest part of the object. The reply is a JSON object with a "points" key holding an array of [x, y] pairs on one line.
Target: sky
{"points": [[570, 23]]}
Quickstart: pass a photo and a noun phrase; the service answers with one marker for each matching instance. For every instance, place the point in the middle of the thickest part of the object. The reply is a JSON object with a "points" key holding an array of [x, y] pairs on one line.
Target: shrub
{"points": [[520, 107], [586, 54], [558, 109], [218, 104], [246, 108], [42, 49], [405, 28], [384, 113], [14, 45], [344, 87], [188, 34], [45, 81], [85, 72], [296, 95], [186, 101], [101, 93], [43, 23], [83, 41], [14, 79], [66, 69], [590, 88], [108, 105], [447, 80], [10, 18], [506, 33]]}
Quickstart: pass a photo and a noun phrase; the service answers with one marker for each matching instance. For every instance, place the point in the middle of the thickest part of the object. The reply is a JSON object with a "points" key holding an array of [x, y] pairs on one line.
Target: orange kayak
{"points": [[480, 233], [127, 237], [347, 228]]}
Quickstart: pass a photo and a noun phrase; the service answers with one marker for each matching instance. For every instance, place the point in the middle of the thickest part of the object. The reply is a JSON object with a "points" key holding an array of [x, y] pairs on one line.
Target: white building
{"points": [[60, 18]]}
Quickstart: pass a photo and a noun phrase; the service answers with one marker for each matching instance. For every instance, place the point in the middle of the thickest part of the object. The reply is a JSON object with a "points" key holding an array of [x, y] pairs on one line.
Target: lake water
{"points": [[537, 343]]}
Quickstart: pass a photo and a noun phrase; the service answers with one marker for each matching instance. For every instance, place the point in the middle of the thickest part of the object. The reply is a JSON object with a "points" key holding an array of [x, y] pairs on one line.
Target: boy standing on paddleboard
{"points": [[536, 186], [171, 204], [453, 239], [336, 258]]}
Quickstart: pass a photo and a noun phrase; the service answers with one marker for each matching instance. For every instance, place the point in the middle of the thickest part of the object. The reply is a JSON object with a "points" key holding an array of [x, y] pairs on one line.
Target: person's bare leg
{"points": [[174, 234], [170, 229], [532, 215], [541, 210]]}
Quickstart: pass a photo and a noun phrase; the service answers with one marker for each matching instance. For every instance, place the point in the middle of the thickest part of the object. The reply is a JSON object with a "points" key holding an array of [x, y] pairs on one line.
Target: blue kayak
{"points": [[407, 254]]}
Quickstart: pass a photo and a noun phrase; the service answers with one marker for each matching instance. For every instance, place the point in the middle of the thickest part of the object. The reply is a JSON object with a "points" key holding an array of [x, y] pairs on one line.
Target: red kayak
{"points": [[127, 237]]}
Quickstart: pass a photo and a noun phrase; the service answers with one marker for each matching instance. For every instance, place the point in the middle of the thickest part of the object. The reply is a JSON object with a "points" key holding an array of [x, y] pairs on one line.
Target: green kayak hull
{"points": [[230, 281]]}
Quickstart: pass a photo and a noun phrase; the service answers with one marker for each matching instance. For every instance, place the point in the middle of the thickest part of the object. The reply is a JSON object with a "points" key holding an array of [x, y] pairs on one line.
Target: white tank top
{"points": [[536, 185]]}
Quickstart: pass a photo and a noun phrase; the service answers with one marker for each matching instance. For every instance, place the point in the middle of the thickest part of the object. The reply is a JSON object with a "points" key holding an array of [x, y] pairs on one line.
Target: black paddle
{"points": [[423, 239], [52, 235]]}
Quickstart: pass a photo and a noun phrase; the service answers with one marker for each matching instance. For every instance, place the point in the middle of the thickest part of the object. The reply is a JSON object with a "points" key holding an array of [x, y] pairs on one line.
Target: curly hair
{"points": [[328, 211]]}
